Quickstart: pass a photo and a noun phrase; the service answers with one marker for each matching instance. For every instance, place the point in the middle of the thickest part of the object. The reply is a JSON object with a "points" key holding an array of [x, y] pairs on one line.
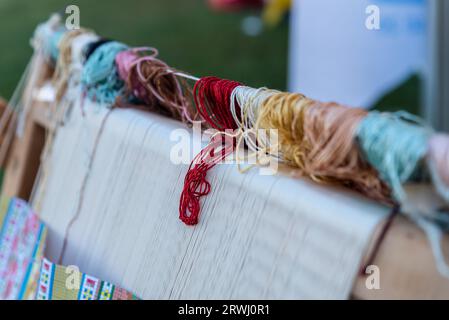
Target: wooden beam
{"points": [[24, 160], [3, 106], [407, 266], [24, 155]]}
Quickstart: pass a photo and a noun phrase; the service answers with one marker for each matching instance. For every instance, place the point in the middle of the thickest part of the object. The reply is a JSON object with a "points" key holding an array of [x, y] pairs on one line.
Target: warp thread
{"points": [[66, 80], [84, 185]]}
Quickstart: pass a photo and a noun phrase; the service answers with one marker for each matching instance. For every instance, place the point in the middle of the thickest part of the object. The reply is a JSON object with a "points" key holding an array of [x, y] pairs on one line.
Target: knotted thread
{"points": [[100, 78], [153, 82]]}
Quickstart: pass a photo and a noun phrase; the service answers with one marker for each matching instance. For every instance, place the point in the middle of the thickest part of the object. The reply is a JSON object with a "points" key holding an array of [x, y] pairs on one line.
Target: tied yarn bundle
{"points": [[331, 153], [317, 138], [100, 78], [249, 100], [212, 97], [195, 182], [395, 145], [63, 70], [125, 61], [152, 81]]}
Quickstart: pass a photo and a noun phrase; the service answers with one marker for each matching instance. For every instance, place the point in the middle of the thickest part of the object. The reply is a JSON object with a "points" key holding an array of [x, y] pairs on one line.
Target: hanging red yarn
{"points": [[195, 183], [213, 99]]}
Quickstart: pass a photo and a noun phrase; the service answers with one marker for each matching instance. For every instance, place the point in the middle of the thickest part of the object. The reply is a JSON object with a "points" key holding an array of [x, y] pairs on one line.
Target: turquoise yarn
{"points": [[53, 44], [394, 144], [100, 77]]}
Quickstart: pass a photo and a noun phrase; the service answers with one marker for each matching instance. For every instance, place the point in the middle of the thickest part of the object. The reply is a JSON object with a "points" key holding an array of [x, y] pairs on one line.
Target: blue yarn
{"points": [[100, 77], [394, 144], [53, 44]]}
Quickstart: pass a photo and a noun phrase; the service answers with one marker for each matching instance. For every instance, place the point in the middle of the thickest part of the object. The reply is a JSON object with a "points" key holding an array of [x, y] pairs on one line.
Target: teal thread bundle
{"points": [[100, 77], [395, 145], [53, 44], [46, 37]]}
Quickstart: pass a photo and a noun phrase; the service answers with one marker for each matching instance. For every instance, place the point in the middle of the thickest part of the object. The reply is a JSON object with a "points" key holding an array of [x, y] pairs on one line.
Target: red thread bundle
{"points": [[212, 98], [195, 183]]}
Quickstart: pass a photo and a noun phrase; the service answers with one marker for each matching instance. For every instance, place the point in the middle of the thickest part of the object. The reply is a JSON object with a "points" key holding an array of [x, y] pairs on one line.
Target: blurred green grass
{"points": [[187, 33]]}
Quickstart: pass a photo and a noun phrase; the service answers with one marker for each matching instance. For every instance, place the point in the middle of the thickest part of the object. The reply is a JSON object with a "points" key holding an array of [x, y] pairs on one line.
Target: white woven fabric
{"points": [[258, 237]]}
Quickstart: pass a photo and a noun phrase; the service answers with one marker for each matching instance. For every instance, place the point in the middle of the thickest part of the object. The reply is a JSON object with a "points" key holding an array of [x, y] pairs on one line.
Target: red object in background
{"points": [[234, 5]]}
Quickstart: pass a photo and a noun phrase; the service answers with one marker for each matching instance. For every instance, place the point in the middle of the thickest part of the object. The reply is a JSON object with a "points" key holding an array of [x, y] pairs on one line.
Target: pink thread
{"points": [[439, 154]]}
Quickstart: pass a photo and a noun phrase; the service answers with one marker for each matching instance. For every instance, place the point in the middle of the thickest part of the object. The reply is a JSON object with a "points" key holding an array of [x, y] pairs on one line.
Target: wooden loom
{"points": [[404, 257]]}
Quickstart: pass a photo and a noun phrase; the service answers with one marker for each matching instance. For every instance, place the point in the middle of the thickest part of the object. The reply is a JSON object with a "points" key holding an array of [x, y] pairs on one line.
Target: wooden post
{"points": [[24, 157], [24, 160]]}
